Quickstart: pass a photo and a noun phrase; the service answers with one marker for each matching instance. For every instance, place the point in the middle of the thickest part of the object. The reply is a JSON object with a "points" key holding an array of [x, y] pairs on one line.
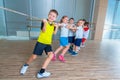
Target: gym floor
{"points": [[97, 61]]}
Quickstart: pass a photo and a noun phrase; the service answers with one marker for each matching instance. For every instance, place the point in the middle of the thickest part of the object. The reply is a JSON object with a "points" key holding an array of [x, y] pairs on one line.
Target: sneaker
{"points": [[74, 53], [82, 45], [61, 58], [43, 75], [23, 69], [54, 57]]}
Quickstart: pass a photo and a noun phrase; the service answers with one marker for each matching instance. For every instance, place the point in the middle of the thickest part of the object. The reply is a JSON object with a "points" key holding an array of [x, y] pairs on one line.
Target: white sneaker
{"points": [[83, 45], [43, 75], [23, 70]]}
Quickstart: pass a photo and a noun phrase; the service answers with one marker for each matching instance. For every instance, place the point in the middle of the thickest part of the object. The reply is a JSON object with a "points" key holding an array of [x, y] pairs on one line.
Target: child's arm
{"points": [[44, 25], [56, 28], [69, 26], [72, 28], [60, 24]]}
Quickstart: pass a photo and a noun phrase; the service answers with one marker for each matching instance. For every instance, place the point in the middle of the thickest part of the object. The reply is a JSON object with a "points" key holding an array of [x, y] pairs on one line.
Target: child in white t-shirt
{"points": [[71, 34], [64, 45], [85, 33], [78, 37]]}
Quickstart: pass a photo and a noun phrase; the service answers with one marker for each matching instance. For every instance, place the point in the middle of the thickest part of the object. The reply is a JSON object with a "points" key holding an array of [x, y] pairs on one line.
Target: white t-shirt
{"points": [[86, 34], [79, 32], [64, 30], [71, 33]]}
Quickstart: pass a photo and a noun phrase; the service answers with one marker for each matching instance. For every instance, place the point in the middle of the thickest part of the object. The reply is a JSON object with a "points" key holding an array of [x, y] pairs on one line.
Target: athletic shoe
{"points": [[43, 75], [23, 69], [82, 45], [74, 53], [54, 57], [61, 58]]}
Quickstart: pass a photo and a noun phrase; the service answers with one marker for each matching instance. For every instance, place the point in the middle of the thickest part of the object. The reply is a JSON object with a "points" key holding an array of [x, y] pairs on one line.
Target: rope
{"points": [[20, 13]]}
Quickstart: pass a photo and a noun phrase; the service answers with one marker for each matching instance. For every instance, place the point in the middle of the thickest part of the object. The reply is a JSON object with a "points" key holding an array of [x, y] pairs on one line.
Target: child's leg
{"points": [[61, 56], [55, 53], [32, 58], [50, 55], [58, 49], [42, 73], [76, 48], [70, 48], [38, 50], [83, 41], [70, 41], [65, 50], [26, 65]]}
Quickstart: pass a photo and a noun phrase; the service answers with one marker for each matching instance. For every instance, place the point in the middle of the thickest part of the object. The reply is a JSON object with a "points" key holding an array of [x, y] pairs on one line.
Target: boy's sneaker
{"points": [[54, 57], [74, 53], [23, 69], [61, 58], [43, 75]]}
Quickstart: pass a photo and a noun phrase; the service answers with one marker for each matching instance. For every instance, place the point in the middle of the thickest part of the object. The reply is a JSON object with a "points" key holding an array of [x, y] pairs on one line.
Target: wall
{"points": [[99, 18], [40, 8], [2, 20]]}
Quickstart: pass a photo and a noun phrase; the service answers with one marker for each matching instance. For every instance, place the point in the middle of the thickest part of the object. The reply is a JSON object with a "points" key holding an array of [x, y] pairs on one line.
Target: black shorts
{"points": [[71, 39], [78, 42], [40, 47]]}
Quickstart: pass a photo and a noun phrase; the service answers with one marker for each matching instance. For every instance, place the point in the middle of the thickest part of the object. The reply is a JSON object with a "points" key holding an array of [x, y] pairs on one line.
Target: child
{"points": [[63, 40], [78, 37], [43, 44], [83, 20], [85, 33], [71, 35]]}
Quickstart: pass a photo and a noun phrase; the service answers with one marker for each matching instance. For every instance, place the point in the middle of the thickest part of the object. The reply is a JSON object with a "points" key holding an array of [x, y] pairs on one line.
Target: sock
{"points": [[42, 70], [26, 64]]}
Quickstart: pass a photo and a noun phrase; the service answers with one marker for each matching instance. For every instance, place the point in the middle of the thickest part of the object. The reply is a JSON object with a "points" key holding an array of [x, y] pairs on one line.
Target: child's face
{"points": [[71, 21], [80, 23], [52, 16], [65, 20]]}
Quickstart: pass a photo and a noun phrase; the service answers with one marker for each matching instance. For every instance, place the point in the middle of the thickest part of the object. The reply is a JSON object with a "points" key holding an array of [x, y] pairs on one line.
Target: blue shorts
{"points": [[78, 42], [71, 39], [63, 41], [40, 47]]}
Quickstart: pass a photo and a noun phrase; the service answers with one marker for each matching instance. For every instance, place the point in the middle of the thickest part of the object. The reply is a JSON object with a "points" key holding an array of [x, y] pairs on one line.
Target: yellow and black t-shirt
{"points": [[46, 37]]}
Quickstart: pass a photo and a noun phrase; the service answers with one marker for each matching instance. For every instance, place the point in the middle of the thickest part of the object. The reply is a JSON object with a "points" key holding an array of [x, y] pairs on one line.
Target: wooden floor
{"points": [[97, 61]]}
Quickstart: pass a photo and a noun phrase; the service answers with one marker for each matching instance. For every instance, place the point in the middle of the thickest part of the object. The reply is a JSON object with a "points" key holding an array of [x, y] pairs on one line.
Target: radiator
{"points": [[26, 33]]}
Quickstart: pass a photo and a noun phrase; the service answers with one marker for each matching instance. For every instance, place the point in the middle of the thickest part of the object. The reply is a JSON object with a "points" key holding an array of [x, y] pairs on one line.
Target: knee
{"points": [[50, 56], [34, 57], [67, 47]]}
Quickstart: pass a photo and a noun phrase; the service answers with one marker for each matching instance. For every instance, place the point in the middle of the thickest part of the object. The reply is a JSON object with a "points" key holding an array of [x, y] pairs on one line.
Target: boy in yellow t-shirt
{"points": [[48, 28]]}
